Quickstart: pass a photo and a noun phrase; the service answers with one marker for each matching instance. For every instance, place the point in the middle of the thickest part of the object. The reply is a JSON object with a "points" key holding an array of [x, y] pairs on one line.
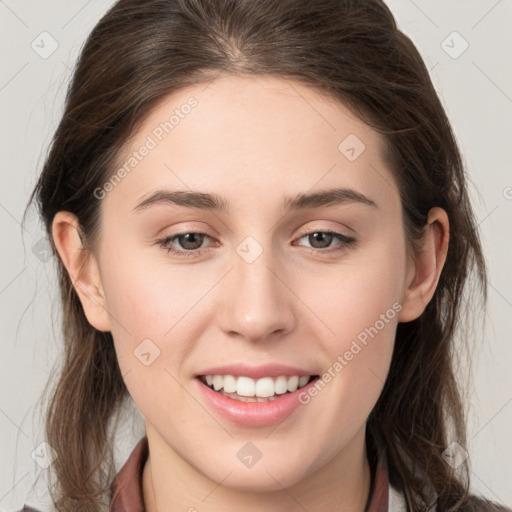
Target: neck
{"points": [[171, 484]]}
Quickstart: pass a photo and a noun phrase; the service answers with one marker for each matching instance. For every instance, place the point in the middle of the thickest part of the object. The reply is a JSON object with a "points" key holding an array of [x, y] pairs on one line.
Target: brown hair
{"points": [[137, 54]]}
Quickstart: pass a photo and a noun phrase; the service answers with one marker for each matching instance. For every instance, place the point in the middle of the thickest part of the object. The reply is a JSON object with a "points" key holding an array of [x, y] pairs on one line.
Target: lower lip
{"points": [[253, 414]]}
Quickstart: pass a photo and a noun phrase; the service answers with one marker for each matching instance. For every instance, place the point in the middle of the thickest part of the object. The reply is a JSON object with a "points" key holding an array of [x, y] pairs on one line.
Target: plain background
{"points": [[475, 85]]}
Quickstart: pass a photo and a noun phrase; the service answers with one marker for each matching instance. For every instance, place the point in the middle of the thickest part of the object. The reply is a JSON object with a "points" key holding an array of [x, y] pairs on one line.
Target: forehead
{"points": [[252, 110], [252, 135]]}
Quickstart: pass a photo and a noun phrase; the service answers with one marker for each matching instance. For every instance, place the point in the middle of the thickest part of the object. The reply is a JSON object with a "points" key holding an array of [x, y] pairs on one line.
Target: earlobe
{"points": [[429, 261], [82, 269]]}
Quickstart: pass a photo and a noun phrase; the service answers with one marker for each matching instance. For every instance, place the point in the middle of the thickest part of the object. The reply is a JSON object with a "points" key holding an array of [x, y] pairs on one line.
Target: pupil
{"points": [[187, 238], [321, 235]]}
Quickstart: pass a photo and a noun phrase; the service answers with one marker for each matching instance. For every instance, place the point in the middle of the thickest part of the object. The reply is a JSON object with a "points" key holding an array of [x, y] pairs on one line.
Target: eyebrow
{"points": [[214, 202]]}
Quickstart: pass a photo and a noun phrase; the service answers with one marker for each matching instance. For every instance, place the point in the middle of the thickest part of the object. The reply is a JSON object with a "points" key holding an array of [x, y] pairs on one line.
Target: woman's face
{"points": [[255, 287]]}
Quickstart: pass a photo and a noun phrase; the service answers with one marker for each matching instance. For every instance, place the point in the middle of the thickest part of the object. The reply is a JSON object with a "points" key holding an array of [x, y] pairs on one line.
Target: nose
{"points": [[256, 301]]}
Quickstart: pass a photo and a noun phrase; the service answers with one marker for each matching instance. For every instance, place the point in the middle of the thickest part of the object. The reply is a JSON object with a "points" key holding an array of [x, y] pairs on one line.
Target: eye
{"points": [[321, 240], [191, 241]]}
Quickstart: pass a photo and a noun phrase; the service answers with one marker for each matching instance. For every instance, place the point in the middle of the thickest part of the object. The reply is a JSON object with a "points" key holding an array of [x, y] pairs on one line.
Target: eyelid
{"points": [[184, 228], [317, 229]]}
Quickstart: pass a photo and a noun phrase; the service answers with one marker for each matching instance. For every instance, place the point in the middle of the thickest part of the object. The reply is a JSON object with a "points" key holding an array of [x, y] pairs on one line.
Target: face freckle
{"points": [[258, 291]]}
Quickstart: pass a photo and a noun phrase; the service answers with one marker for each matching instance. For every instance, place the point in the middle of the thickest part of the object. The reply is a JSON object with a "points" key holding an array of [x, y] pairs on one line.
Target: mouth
{"points": [[246, 389]]}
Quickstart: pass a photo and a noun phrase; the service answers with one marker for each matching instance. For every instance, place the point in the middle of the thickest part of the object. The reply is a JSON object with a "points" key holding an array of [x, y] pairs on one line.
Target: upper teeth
{"points": [[264, 387]]}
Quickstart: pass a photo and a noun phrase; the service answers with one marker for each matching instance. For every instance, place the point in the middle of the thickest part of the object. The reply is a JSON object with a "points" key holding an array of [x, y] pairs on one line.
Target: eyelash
{"points": [[346, 241]]}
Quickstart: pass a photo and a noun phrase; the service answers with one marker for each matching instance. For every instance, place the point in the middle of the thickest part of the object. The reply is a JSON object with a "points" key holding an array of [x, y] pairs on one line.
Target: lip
{"points": [[257, 372], [252, 414]]}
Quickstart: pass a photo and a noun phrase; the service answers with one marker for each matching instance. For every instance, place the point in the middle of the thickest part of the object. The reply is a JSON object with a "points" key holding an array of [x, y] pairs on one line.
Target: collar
{"points": [[127, 486]]}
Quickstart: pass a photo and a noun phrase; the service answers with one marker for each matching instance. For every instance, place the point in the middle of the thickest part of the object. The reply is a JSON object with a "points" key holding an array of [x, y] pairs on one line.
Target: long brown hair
{"points": [[138, 53]]}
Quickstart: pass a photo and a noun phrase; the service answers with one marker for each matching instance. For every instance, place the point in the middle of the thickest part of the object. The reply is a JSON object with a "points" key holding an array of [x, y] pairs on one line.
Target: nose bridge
{"points": [[256, 302]]}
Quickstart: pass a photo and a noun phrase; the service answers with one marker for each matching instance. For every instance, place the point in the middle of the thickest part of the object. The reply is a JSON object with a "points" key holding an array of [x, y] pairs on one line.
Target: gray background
{"points": [[476, 89]]}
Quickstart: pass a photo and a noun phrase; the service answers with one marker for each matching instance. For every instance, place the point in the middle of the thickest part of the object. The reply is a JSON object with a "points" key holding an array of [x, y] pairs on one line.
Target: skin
{"points": [[254, 141]]}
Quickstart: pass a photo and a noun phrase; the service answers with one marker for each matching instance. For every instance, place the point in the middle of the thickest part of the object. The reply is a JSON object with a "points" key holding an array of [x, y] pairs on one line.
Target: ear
{"points": [[423, 274], [82, 268]]}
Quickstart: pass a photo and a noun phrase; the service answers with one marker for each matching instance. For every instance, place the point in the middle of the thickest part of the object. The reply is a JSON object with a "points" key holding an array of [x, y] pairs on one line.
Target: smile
{"points": [[247, 389], [253, 411]]}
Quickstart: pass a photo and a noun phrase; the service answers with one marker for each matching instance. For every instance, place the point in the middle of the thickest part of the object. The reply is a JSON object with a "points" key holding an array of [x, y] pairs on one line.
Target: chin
{"points": [[264, 476]]}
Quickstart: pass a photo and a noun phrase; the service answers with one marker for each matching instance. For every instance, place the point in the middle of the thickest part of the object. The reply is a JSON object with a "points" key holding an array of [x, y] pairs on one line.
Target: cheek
{"points": [[358, 297], [143, 306], [358, 344], [148, 299], [358, 305], [153, 311]]}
